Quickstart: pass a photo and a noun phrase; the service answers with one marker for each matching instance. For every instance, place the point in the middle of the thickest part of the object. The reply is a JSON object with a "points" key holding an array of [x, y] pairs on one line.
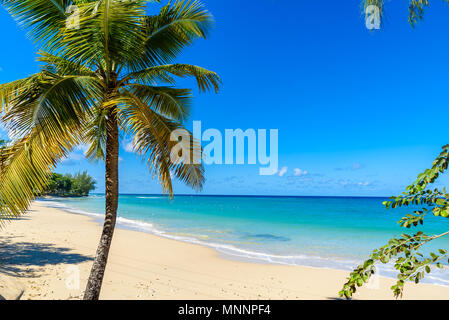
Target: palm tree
{"points": [[110, 72]]}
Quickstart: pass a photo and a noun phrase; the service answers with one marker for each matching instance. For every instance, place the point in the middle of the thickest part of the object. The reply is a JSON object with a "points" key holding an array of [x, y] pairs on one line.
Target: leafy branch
{"points": [[411, 264]]}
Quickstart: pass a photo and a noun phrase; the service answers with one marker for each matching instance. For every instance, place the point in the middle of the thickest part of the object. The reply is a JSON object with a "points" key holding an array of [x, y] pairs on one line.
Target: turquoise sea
{"points": [[327, 232]]}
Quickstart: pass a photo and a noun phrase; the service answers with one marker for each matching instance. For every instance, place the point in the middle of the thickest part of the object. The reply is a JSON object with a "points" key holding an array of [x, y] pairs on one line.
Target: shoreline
{"points": [[50, 252], [228, 252], [232, 252]]}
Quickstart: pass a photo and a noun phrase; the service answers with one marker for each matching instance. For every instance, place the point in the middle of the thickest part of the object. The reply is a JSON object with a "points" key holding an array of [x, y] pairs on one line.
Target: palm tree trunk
{"points": [[98, 268]]}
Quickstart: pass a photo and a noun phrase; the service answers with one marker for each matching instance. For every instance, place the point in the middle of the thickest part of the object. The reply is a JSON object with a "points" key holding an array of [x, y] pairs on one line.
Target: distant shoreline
{"points": [[61, 196]]}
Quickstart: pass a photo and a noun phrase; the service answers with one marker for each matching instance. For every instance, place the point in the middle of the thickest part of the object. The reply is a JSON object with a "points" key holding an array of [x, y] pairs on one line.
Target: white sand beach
{"points": [[45, 250]]}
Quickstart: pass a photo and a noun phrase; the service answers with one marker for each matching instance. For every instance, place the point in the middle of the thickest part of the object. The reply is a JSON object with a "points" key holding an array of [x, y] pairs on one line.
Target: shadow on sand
{"points": [[20, 258]]}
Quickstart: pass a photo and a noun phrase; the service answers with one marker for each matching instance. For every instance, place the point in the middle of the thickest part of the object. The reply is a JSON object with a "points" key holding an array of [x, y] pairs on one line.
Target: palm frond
{"points": [[170, 102], [29, 162], [44, 19], [64, 67], [205, 79], [50, 101], [95, 135], [416, 9], [174, 28], [152, 133], [48, 113], [12, 90], [109, 33]]}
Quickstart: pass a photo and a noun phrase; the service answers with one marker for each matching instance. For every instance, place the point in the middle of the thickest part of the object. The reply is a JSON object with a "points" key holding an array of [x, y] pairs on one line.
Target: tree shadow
{"points": [[11, 219], [21, 258]]}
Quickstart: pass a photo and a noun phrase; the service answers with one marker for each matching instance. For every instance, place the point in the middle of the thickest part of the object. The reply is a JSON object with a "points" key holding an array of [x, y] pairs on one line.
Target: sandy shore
{"points": [[46, 250]]}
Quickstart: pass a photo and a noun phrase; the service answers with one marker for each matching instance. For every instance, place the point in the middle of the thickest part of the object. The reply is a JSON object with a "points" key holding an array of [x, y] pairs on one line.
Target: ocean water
{"points": [[326, 232]]}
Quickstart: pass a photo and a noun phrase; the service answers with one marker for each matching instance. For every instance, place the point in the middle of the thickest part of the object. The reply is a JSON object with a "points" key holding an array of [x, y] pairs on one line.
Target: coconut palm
{"points": [[107, 69]]}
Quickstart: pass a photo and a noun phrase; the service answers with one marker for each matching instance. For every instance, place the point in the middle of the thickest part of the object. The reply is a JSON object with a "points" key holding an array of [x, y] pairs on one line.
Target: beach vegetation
{"points": [[405, 252], [107, 70], [77, 185]]}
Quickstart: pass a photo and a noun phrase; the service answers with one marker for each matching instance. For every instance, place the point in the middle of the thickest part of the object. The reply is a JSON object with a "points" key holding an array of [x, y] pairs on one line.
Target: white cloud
{"points": [[76, 156], [282, 171], [352, 183], [355, 166], [82, 147], [128, 145], [72, 159], [299, 172]]}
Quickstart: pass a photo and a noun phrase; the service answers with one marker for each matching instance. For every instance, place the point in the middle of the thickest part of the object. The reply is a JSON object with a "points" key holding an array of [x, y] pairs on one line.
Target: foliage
{"points": [[59, 185], [3, 145], [82, 184], [78, 185], [415, 9], [118, 60], [404, 251]]}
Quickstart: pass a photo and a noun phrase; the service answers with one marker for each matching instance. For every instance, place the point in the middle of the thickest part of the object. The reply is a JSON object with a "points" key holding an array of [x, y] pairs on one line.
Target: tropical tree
{"points": [[107, 69], [82, 184], [78, 185], [58, 185], [405, 252]]}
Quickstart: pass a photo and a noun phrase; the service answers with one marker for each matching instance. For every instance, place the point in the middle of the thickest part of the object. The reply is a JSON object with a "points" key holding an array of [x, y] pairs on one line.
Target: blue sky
{"points": [[362, 112]]}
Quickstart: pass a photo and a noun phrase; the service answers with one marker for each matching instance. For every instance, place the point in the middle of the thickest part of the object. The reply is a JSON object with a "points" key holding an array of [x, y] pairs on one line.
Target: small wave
{"points": [[266, 236], [62, 206], [148, 197], [94, 196]]}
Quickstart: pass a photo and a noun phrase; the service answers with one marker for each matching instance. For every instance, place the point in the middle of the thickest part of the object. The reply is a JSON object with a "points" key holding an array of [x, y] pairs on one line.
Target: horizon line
{"points": [[242, 195]]}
